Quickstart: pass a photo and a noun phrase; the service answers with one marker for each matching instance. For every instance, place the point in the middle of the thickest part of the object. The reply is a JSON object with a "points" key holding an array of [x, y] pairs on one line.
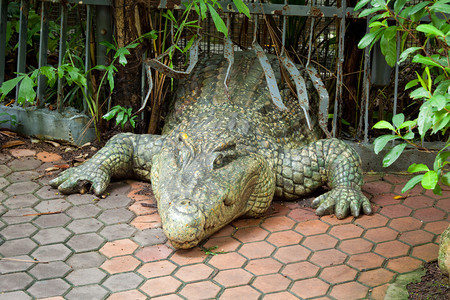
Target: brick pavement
{"points": [[114, 248]]}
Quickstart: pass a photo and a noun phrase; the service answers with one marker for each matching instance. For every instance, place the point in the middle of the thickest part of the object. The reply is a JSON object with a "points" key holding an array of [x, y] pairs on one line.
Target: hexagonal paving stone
{"points": [[120, 264], [122, 282], [84, 211], [79, 199], [14, 281], [405, 224], [291, 254], [418, 202], [426, 252], [346, 231], [338, 274], [416, 237], [22, 176], [4, 183], [117, 232], [17, 247], [52, 205], [312, 227], [365, 261], [200, 290], [160, 286], [116, 215], [429, 214], [149, 237], [271, 283], [18, 231], [85, 242], [224, 244], [21, 201], [86, 260], [382, 234], [114, 202], [13, 266], [17, 295], [320, 242], [375, 277], [309, 288], [51, 253], [118, 248], [2, 197], [48, 288], [228, 260], [54, 220], [28, 163], [54, 269], [194, 272], [391, 249], [256, 250], [396, 211], [184, 257], [52, 236], [157, 269], [87, 292], [86, 276], [20, 188], [85, 225], [330, 257], [152, 253], [284, 238], [21, 215], [300, 270], [4, 170], [404, 264], [47, 192], [242, 292], [263, 266], [233, 277], [349, 290], [354, 246]]}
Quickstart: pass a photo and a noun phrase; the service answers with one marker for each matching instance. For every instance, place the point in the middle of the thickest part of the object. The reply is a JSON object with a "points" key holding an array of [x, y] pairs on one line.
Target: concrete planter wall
{"points": [[69, 126]]}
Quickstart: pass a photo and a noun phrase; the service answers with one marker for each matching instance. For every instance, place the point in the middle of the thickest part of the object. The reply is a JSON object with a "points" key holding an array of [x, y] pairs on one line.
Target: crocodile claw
{"points": [[342, 200], [76, 179]]}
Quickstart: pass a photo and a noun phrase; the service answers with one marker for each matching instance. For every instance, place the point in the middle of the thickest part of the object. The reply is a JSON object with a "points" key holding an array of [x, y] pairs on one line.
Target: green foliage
{"points": [[432, 85], [122, 114]]}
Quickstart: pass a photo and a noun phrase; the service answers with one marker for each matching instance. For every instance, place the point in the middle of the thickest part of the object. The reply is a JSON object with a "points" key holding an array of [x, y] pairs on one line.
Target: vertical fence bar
{"points": [[43, 47], [394, 108], [366, 90], [62, 52], [22, 50], [87, 62], [3, 24], [339, 75]]}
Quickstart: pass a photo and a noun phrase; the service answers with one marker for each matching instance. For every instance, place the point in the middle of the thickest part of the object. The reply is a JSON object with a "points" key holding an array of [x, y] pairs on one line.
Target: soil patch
{"points": [[433, 285]]}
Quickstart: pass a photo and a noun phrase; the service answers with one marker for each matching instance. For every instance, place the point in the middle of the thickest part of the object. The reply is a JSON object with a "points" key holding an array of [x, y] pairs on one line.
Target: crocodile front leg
{"points": [[302, 170], [125, 155]]}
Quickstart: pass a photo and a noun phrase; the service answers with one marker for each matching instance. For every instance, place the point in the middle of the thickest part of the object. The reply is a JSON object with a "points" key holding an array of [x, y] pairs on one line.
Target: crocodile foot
{"points": [[342, 200]]}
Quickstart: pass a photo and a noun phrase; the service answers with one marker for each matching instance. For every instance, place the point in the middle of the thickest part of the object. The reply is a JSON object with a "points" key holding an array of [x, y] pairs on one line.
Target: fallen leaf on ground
{"points": [[10, 144]]}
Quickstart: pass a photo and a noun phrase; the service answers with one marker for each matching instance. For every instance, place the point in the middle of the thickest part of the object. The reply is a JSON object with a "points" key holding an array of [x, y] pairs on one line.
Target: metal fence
{"points": [[321, 19]]}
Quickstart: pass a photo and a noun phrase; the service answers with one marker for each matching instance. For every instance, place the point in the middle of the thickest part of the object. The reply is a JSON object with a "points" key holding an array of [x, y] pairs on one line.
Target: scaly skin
{"points": [[220, 159]]}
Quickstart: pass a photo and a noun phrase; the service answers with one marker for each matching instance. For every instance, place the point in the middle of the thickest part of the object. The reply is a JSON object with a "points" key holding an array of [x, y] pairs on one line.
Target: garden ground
{"points": [[76, 246]]}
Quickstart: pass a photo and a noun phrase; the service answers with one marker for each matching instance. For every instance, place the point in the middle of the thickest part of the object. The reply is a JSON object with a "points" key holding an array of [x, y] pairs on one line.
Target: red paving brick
{"points": [[338, 274], [365, 261], [418, 202], [233, 277], [395, 211], [229, 260], [153, 253], [429, 214], [278, 224], [391, 249], [240, 292], [157, 269], [188, 257], [291, 254], [284, 238], [405, 224], [385, 199], [403, 264], [160, 286], [312, 227], [135, 295], [263, 266], [382, 234], [303, 214], [257, 250], [416, 237], [426, 252], [329, 257], [349, 291], [200, 290], [300, 270], [320, 242], [375, 277], [355, 246], [120, 264], [119, 247], [193, 273], [346, 231], [251, 234], [310, 288], [224, 244]]}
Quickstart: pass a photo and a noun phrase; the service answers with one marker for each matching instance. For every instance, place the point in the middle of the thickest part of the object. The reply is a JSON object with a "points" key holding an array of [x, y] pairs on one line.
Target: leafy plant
{"points": [[432, 86], [122, 114]]}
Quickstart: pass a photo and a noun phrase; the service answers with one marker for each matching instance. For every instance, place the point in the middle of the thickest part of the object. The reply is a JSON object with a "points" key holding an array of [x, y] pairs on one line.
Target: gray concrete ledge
{"points": [[69, 126]]}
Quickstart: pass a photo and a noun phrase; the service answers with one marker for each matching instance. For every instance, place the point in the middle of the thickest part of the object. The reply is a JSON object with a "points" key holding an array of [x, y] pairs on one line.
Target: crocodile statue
{"points": [[226, 154]]}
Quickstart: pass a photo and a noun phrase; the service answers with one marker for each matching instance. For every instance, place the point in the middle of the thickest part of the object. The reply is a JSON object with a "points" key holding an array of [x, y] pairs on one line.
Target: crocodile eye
{"points": [[219, 160]]}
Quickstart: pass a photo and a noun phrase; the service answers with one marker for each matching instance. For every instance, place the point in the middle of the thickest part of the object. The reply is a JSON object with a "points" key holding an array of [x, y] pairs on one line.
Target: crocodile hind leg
{"points": [[125, 155], [328, 161]]}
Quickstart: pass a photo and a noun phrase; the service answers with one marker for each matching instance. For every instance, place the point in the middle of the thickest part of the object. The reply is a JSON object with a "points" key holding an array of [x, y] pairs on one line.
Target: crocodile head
{"points": [[202, 184]]}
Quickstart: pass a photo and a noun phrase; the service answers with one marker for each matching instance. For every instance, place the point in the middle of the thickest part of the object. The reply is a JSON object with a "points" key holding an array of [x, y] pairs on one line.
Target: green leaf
{"points": [[370, 38], [218, 22], [203, 9], [438, 101], [108, 46], [189, 44], [446, 179], [414, 168], [425, 60], [369, 11], [388, 47], [429, 29], [242, 8], [119, 117], [437, 190], [430, 179], [393, 155], [50, 73], [412, 83], [361, 4], [418, 7], [441, 123], [398, 5], [420, 93], [398, 120], [383, 125], [132, 46], [440, 160], [408, 124], [26, 91], [412, 183], [111, 79], [424, 120], [404, 55], [110, 115], [380, 142], [441, 6], [409, 136], [9, 85]]}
